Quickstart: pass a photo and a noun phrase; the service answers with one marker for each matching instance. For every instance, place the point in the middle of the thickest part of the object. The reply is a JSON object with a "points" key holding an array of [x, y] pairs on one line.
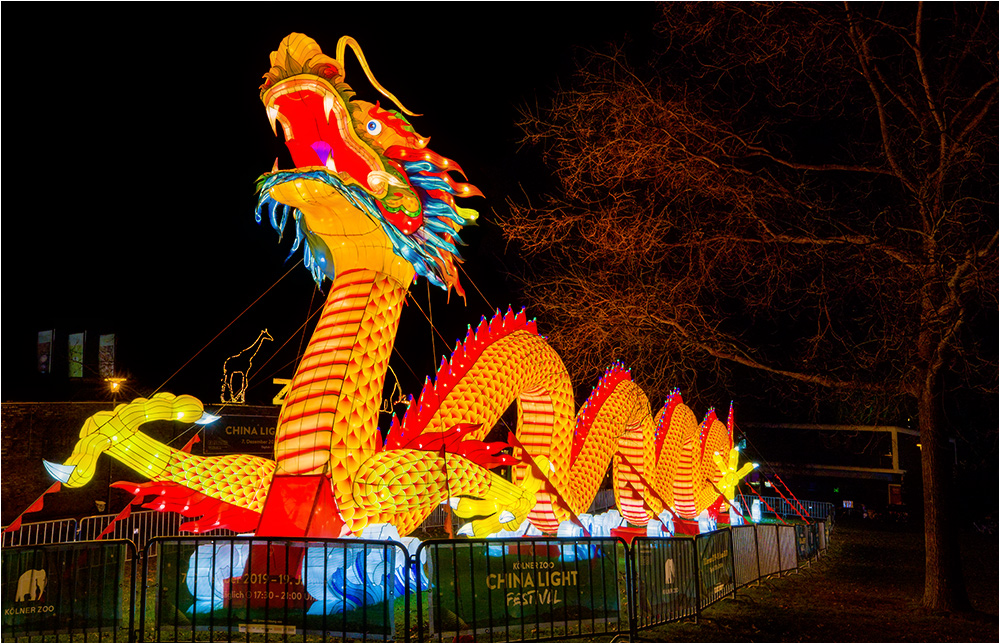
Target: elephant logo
{"points": [[31, 586]]}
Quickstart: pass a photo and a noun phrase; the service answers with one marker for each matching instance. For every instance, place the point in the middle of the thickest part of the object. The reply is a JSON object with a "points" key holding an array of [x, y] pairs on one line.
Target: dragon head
{"points": [[366, 192]]}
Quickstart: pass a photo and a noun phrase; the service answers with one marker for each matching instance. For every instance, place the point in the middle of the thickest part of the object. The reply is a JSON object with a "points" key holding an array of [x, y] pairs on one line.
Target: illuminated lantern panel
{"points": [[373, 209]]}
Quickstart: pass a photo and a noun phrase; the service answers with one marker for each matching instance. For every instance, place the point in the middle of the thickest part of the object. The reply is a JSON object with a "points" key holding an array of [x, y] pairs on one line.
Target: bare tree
{"points": [[802, 192]]}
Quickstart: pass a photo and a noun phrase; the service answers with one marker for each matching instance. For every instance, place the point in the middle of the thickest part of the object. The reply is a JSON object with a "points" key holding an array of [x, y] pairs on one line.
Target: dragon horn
{"points": [[341, 50]]}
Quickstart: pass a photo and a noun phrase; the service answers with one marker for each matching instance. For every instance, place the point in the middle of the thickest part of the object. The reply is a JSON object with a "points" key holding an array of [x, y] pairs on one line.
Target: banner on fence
{"points": [[665, 571], [715, 566], [516, 583], [286, 587], [62, 588], [805, 538]]}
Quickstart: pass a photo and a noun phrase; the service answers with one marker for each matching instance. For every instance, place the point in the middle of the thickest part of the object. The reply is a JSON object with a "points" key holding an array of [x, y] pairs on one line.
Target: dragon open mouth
{"points": [[319, 132]]}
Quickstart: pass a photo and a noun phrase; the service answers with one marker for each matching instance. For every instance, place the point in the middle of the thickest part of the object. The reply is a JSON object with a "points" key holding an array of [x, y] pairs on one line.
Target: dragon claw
{"points": [[59, 472]]}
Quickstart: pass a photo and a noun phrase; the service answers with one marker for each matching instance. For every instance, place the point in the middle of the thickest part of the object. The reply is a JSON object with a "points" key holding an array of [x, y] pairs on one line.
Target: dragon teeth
{"points": [[327, 106], [272, 117]]}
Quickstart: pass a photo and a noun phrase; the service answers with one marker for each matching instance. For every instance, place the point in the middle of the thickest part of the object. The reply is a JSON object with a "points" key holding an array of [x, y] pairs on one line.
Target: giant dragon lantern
{"points": [[373, 209]]}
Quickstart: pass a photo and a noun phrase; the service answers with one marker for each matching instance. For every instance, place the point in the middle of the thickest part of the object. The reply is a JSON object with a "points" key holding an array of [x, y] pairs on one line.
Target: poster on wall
{"points": [[45, 351], [106, 356], [75, 354]]}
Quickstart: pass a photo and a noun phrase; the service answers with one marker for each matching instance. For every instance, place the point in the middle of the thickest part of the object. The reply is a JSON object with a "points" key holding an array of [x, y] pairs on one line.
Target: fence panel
{"points": [[767, 550], [140, 527], [715, 566], [30, 534], [72, 592], [811, 509], [605, 500], [664, 579], [808, 541], [523, 589], [787, 554], [746, 566], [438, 518], [276, 588]]}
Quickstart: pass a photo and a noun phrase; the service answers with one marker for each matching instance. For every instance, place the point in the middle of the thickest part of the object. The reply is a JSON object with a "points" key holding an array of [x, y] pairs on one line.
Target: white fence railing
{"points": [[143, 525], [32, 534], [140, 527]]}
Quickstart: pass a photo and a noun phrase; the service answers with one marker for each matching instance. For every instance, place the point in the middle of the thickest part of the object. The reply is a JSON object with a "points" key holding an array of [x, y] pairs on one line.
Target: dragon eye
{"points": [[373, 127]]}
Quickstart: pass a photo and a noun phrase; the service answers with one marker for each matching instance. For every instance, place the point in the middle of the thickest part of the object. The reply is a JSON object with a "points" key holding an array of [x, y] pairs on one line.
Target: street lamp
{"points": [[115, 384]]}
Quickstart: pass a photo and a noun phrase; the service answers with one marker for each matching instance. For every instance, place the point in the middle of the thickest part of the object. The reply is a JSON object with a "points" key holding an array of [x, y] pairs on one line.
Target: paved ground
{"points": [[866, 589]]}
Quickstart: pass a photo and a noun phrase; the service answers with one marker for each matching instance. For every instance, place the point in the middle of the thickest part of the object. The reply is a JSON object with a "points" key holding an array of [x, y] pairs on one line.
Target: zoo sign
{"points": [[62, 588]]}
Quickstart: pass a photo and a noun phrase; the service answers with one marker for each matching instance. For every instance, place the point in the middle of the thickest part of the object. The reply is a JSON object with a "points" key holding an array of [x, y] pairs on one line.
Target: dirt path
{"points": [[867, 588]]}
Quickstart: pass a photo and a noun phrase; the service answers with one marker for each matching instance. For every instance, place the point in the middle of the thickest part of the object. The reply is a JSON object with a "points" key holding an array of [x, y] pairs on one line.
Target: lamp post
{"points": [[115, 384]]}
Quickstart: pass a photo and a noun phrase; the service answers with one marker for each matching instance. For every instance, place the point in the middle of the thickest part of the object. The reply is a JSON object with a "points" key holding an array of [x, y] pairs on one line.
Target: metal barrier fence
{"points": [[437, 519], [788, 558], [69, 592], [526, 589], [715, 567], [666, 580], [248, 588], [30, 534], [226, 588], [746, 555], [605, 500], [809, 509], [140, 527]]}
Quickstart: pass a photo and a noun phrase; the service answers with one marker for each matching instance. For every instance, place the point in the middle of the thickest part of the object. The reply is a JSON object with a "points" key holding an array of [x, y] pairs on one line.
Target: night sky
{"points": [[134, 134]]}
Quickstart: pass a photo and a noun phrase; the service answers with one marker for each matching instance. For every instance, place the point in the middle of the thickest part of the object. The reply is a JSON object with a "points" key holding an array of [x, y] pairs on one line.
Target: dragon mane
{"points": [[432, 249]]}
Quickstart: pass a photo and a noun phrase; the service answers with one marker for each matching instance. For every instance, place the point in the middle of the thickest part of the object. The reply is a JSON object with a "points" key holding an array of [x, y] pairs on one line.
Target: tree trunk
{"points": [[944, 585]]}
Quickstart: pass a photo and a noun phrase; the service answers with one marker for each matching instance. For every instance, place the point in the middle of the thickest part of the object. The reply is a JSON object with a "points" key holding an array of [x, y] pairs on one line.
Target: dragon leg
{"points": [[403, 486], [227, 490]]}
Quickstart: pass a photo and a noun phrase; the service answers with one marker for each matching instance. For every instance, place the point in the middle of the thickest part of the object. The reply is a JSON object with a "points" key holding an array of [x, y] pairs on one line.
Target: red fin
{"points": [[172, 497], [661, 431], [34, 507], [706, 424], [301, 506], [409, 432], [614, 376]]}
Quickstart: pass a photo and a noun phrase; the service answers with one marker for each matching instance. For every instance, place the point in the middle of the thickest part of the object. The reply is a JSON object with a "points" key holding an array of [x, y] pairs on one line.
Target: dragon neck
{"points": [[329, 421]]}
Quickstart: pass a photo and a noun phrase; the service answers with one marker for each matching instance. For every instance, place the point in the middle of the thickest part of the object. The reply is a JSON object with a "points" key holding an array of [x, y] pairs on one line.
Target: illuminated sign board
{"points": [[242, 432]]}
